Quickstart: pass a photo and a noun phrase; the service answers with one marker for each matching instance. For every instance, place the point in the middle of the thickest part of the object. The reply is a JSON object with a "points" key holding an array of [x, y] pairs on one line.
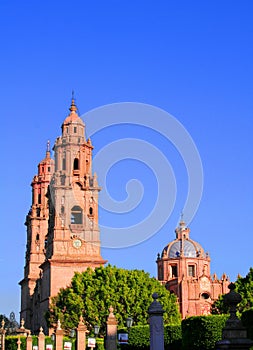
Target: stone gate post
{"points": [[155, 312], [58, 336], [234, 335], [2, 335], [41, 339], [29, 342], [111, 331], [81, 335]]}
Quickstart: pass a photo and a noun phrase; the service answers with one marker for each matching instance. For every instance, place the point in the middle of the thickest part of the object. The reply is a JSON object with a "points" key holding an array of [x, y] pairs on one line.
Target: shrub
{"points": [[202, 332], [247, 320], [11, 342], [139, 338]]}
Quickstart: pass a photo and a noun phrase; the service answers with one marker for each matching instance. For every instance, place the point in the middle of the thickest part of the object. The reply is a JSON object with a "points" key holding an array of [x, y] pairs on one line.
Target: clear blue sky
{"points": [[193, 59]]}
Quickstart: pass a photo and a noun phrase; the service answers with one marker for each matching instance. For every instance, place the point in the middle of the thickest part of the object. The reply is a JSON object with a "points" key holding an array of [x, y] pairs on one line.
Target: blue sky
{"points": [[192, 59]]}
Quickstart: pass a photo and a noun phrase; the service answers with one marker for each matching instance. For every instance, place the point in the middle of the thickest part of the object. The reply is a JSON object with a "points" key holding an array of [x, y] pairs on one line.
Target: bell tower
{"points": [[37, 227], [71, 233]]}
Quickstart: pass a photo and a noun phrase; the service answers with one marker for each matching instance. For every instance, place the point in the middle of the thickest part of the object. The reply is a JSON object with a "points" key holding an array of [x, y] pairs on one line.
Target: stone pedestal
{"points": [[81, 335], [58, 336], [2, 335], [111, 331], [156, 324], [29, 342], [41, 339], [234, 335]]}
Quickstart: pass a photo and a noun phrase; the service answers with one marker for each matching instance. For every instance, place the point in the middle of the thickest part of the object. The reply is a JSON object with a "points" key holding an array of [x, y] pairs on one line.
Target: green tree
{"points": [[244, 286], [92, 292]]}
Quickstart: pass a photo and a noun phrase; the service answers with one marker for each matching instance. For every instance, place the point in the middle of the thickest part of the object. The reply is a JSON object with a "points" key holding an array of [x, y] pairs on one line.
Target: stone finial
{"points": [[22, 324], [111, 319], [2, 323], [58, 324], [41, 330], [111, 310], [81, 321], [232, 299], [73, 107], [155, 307]]}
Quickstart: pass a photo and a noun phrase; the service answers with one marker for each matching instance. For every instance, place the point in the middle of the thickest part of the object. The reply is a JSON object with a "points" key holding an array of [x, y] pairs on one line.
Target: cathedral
{"points": [[63, 234]]}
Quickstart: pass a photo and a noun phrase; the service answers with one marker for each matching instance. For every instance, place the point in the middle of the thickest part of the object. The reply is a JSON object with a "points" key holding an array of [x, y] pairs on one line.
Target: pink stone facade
{"points": [[184, 268], [62, 225]]}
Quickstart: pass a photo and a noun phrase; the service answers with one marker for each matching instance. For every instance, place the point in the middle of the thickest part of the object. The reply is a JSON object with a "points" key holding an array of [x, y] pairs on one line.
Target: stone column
{"points": [[29, 342], [155, 312], [111, 331], [41, 339], [234, 335], [58, 336], [81, 335], [2, 335]]}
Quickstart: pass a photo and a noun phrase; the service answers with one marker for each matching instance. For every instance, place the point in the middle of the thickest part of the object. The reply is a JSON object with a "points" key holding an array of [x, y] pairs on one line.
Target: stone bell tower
{"points": [[71, 233], [37, 227]]}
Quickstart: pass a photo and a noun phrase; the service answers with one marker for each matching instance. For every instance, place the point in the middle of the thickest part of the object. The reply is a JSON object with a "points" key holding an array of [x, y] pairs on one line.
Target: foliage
{"points": [[202, 332], [219, 307], [139, 337], [10, 325], [92, 292], [11, 342], [6, 320], [247, 320], [244, 286], [173, 337]]}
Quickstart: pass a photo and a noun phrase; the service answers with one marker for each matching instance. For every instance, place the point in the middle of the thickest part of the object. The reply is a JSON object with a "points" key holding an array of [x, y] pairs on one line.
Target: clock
{"points": [[77, 243]]}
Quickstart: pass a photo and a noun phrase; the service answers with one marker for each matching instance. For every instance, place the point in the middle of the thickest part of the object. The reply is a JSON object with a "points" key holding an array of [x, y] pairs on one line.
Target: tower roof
{"points": [[73, 116]]}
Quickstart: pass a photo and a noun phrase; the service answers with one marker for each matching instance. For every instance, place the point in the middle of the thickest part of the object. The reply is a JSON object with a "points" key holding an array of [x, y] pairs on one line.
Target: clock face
{"points": [[77, 243]]}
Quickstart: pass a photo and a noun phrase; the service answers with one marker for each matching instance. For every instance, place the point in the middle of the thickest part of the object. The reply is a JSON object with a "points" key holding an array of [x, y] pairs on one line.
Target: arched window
{"points": [[37, 237], [76, 215], [76, 164], [91, 211]]}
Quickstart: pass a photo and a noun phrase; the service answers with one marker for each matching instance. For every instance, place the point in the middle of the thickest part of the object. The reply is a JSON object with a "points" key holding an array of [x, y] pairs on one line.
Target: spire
{"points": [[73, 107], [48, 149]]}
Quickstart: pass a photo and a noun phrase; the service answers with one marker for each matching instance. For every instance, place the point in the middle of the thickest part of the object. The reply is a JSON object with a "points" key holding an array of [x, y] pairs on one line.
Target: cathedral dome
{"points": [[186, 247], [183, 245]]}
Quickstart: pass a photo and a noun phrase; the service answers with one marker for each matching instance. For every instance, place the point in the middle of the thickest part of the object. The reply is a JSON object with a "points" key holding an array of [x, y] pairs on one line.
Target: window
{"points": [[91, 211], [39, 198], [64, 164], [37, 237], [76, 164], [76, 215], [205, 296], [75, 129], [191, 270], [174, 270], [48, 169]]}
